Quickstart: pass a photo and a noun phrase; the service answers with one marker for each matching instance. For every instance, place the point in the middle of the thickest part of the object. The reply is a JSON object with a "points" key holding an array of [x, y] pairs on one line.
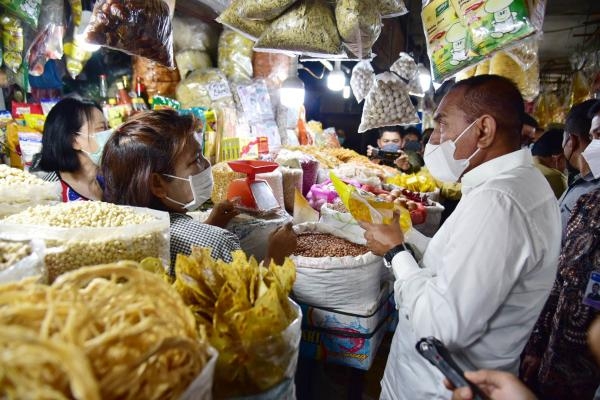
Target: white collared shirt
{"points": [[485, 276]]}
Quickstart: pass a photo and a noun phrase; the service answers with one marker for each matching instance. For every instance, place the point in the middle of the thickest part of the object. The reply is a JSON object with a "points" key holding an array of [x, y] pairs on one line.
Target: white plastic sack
{"points": [[343, 223], [432, 222], [350, 284], [201, 387], [31, 265]]}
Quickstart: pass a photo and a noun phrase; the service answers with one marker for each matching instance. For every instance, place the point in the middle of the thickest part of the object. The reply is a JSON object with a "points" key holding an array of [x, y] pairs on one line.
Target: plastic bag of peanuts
{"points": [[83, 233], [388, 104]]}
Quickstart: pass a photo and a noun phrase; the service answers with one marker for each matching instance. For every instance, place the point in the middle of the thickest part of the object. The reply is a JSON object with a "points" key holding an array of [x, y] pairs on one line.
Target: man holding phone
{"points": [[487, 272]]}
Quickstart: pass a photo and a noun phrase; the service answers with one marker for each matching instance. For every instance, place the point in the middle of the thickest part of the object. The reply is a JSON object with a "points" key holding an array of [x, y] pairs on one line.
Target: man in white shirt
{"points": [[487, 272]]}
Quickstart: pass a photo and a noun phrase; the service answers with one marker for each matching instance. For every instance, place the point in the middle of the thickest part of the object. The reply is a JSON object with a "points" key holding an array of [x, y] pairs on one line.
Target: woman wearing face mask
{"points": [[154, 160], [74, 135]]}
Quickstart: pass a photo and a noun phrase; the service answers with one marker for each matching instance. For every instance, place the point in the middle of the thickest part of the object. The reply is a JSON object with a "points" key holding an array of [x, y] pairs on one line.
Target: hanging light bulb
{"points": [[292, 92], [346, 92], [336, 80], [424, 77]]}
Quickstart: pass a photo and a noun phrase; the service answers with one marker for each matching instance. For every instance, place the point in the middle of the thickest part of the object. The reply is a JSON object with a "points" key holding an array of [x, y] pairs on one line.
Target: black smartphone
{"points": [[437, 354]]}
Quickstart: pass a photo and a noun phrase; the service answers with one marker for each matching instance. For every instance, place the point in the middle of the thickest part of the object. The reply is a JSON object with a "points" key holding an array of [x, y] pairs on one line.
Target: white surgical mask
{"points": [[201, 185], [591, 154], [440, 161], [101, 138]]}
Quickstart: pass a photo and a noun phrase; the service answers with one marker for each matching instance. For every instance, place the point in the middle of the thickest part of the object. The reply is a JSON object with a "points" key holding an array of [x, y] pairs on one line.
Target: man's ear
{"points": [[487, 131], [158, 186]]}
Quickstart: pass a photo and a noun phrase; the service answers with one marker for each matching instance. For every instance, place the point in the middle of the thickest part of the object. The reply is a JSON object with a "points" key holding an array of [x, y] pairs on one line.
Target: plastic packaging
{"points": [[264, 9], [274, 68], [12, 43], [359, 25], [308, 27], [505, 64], [20, 190], [76, 10], [250, 28], [387, 104], [192, 34], [391, 8], [405, 67], [201, 387], [235, 56], [137, 27], [192, 60], [30, 144], [158, 79], [30, 263], [292, 181], [48, 44], [362, 79], [206, 88], [26, 10], [580, 89]]}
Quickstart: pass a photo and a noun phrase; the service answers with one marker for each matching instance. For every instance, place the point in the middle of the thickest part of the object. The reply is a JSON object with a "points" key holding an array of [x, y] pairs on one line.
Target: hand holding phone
{"points": [[437, 354]]}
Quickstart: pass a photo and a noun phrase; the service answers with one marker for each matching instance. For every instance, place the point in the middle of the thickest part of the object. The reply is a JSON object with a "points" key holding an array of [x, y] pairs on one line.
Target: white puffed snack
{"points": [[388, 104], [405, 67], [362, 79], [20, 189]]}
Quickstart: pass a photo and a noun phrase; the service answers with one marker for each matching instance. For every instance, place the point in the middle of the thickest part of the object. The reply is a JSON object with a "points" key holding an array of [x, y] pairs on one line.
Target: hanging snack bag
{"points": [[204, 88], [250, 28], [308, 27], [263, 9], [25, 10], [235, 56], [494, 23], [359, 25], [405, 67], [388, 104], [76, 10], [12, 43], [362, 79], [391, 8], [448, 40], [48, 43], [136, 27]]}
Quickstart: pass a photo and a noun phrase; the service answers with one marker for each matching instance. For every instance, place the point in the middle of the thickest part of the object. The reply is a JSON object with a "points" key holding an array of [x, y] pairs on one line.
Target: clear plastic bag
{"points": [[250, 28], [264, 9], [359, 25], [192, 60], [387, 104], [24, 190], [392, 8], [192, 34], [76, 10], [26, 10], [158, 79], [235, 56], [136, 27], [201, 387], [308, 28], [27, 259], [48, 43], [405, 67], [12, 43], [362, 79], [204, 88]]}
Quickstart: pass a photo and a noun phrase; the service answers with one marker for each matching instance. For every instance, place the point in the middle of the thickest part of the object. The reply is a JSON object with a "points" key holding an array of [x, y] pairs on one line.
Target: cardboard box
{"points": [[345, 338]]}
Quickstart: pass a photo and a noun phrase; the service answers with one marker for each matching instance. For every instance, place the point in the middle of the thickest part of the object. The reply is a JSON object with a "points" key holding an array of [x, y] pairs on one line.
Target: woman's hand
{"points": [[282, 243], [498, 385], [221, 214]]}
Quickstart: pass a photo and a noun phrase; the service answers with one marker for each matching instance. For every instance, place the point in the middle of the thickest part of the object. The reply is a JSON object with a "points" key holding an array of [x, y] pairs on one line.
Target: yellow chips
{"points": [[245, 310]]}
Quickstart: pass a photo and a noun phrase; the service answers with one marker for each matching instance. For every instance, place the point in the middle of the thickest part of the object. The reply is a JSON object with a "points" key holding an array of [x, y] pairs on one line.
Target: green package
{"points": [[27, 10]]}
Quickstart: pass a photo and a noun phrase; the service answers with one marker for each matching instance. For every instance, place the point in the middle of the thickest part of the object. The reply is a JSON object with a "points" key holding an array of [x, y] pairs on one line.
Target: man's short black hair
{"points": [[578, 121], [497, 96], [529, 120], [549, 144], [63, 123], [595, 110], [395, 128], [412, 130]]}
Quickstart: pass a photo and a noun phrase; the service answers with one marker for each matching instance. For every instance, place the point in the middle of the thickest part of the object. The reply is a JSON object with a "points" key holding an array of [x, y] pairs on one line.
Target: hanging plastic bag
{"points": [[12, 43], [308, 28], [263, 9], [204, 88], [391, 8], [362, 79], [359, 25], [580, 89], [136, 27], [235, 56], [191, 60], [250, 28], [76, 10], [192, 34], [405, 67], [48, 44], [387, 104], [26, 10]]}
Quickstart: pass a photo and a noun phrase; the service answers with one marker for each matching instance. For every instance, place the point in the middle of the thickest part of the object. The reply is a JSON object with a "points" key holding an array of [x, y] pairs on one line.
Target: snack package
{"points": [[164, 103], [387, 104], [235, 56], [35, 121], [158, 79], [359, 25], [274, 68], [48, 44], [12, 43], [250, 28], [136, 27], [580, 89], [308, 27], [527, 80], [204, 88], [192, 60], [192, 34], [30, 144], [405, 67], [263, 9], [391, 8], [76, 10], [362, 79], [26, 10], [20, 109], [494, 23]]}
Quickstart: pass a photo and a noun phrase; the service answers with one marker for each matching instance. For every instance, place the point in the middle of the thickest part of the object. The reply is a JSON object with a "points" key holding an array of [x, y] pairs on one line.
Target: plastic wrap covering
{"points": [[264, 9], [48, 44], [235, 56], [76, 10], [388, 104], [192, 34], [20, 190], [26, 10], [207, 88], [158, 79], [12, 43], [391, 8], [292, 181], [405, 67], [273, 68], [21, 259], [192, 60], [359, 25], [362, 79], [93, 236], [308, 27], [137, 27], [580, 89], [250, 28]]}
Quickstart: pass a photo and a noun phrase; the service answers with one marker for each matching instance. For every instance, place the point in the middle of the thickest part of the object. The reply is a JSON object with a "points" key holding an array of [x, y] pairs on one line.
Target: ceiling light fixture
{"points": [[292, 92]]}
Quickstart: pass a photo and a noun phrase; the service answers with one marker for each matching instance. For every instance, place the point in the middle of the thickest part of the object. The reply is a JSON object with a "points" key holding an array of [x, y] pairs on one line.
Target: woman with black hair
{"points": [[74, 136]]}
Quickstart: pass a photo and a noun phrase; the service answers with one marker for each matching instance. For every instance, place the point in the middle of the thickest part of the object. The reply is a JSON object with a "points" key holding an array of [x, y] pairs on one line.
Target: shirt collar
{"points": [[495, 167]]}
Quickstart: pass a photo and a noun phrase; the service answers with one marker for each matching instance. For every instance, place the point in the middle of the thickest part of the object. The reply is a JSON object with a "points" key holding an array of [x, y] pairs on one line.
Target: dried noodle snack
{"points": [[263, 9], [391, 8], [250, 28], [359, 25]]}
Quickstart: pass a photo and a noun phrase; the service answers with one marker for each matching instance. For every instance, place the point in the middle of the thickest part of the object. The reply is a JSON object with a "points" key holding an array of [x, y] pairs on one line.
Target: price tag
{"points": [[218, 90]]}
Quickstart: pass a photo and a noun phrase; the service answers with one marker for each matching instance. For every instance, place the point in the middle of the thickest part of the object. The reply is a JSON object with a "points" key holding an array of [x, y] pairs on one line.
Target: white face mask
{"points": [[591, 154], [201, 185], [101, 139], [439, 159]]}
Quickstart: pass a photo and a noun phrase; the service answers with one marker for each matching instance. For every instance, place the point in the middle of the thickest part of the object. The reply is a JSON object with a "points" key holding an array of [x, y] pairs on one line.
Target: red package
{"points": [[19, 109]]}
